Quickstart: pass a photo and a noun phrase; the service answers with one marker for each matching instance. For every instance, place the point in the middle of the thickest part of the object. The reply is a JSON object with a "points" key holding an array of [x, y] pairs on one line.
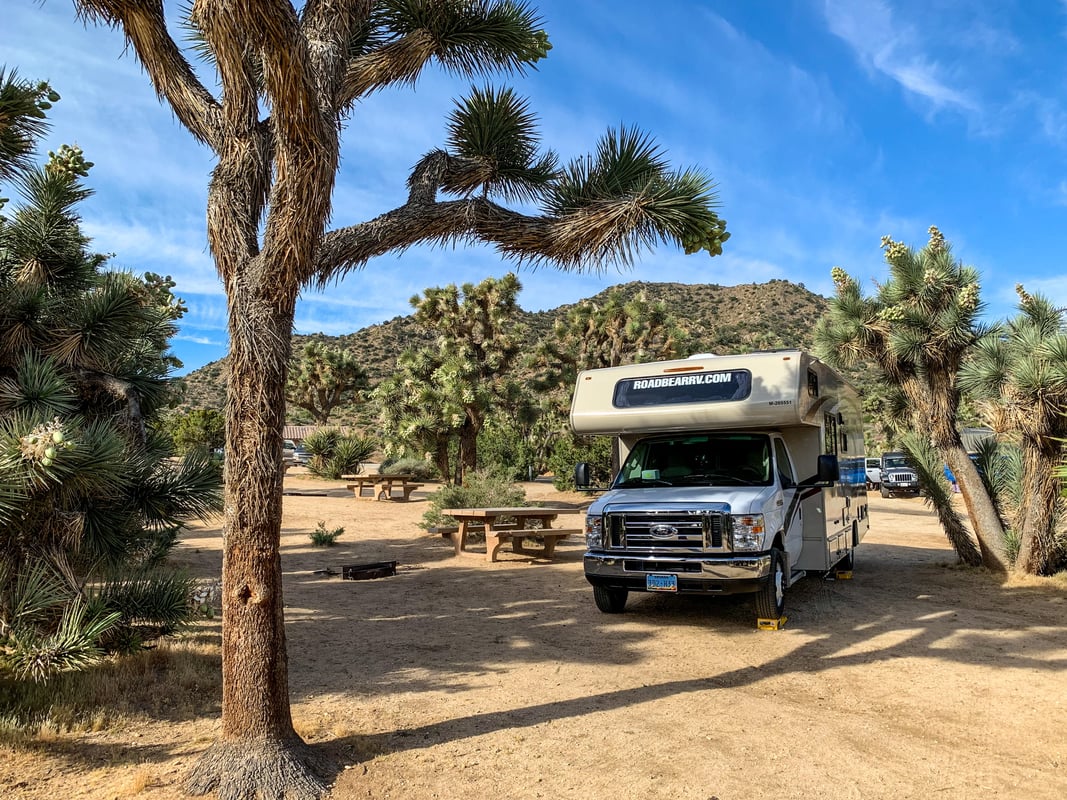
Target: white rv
{"points": [[738, 474]]}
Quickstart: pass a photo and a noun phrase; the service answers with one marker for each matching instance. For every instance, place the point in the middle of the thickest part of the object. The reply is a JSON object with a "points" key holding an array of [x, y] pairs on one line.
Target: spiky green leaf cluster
{"points": [[23, 120], [471, 37], [88, 495], [495, 136]]}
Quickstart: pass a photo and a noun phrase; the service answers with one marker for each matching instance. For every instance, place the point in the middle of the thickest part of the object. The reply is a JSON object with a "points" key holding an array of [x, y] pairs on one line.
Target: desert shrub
{"points": [[422, 469], [197, 429], [502, 448], [334, 454], [482, 488], [320, 537], [569, 450]]}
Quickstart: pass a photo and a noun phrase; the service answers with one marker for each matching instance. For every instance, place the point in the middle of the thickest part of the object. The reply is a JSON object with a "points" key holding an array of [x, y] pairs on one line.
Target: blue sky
{"points": [[826, 124]]}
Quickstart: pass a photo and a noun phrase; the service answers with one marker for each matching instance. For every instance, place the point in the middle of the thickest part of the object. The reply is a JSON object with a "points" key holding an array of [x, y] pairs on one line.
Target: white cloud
{"points": [[888, 45], [167, 250], [201, 340]]}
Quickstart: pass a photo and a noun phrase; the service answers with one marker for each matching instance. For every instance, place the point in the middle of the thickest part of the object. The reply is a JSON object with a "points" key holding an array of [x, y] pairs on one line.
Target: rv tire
{"points": [[770, 599], [610, 601]]}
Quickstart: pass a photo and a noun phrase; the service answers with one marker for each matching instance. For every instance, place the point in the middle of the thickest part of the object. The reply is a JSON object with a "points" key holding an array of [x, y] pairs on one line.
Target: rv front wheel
{"points": [[610, 601], [770, 599]]}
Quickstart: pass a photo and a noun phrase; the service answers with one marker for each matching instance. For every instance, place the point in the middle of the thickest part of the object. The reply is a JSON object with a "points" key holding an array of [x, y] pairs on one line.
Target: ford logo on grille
{"points": [[663, 531]]}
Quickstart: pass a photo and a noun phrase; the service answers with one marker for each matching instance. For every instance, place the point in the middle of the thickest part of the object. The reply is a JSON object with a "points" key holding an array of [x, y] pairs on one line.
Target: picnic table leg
{"points": [[494, 541], [459, 537], [516, 539]]}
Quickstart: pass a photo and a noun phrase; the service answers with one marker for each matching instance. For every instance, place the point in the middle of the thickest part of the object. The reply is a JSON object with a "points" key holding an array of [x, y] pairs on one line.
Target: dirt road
{"points": [[463, 679]]}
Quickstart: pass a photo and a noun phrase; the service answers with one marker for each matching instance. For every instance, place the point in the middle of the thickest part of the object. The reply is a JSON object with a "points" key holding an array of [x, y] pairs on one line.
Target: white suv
{"points": [[874, 473]]}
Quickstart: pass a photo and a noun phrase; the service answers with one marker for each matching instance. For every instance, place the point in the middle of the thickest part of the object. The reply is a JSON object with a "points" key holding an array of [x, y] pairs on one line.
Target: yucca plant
{"points": [[335, 454], [90, 503]]}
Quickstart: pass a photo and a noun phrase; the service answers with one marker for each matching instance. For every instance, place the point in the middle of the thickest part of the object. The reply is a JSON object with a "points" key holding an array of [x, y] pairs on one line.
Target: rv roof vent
{"points": [[704, 355]]}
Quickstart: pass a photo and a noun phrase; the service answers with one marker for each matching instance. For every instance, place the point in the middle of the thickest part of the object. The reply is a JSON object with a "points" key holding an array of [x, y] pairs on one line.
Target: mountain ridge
{"points": [[720, 319]]}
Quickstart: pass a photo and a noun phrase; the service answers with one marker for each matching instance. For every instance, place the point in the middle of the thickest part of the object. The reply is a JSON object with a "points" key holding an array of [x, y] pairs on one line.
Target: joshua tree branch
{"points": [[172, 76]]}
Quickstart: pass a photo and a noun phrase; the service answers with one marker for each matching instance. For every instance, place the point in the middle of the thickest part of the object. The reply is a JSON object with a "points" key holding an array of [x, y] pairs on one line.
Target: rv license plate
{"points": [[661, 583]]}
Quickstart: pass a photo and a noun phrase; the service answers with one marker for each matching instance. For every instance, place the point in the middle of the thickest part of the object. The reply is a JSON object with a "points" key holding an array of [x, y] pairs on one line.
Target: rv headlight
{"points": [[594, 531], [748, 532]]}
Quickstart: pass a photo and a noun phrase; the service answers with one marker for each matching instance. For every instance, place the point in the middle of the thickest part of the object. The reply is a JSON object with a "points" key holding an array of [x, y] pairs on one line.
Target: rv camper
{"points": [[738, 474]]}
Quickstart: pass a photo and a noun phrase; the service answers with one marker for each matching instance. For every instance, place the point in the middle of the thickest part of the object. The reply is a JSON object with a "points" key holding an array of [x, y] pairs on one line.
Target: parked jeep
{"points": [[898, 476]]}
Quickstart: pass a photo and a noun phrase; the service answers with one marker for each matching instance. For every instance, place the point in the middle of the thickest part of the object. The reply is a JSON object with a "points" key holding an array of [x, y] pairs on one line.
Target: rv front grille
{"points": [[662, 531]]}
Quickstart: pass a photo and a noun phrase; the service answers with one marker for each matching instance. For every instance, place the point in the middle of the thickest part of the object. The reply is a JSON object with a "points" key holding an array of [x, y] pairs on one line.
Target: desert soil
{"points": [[457, 678]]}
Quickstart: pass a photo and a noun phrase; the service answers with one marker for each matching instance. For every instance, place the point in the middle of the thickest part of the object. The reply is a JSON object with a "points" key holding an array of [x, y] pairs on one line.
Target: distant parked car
{"points": [[288, 452], [301, 455], [874, 473]]}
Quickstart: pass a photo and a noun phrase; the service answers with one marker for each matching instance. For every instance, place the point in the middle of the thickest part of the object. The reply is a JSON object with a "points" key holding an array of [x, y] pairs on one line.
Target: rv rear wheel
{"points": [[770, 599], [610, 601]]}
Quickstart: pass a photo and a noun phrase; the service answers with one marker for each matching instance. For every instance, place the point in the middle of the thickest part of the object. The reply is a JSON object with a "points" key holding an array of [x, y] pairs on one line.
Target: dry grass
{"points": [[178, 680]]}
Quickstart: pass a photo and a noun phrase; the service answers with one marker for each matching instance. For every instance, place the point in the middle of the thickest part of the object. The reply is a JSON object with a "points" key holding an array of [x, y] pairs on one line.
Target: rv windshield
{"points": [[728, 459]]}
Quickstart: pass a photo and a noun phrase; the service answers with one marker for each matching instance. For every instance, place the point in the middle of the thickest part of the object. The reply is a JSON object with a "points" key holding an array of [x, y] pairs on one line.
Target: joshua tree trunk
{"points": [[1035, 520], [468, 445], [988, 529], [258, 751]]}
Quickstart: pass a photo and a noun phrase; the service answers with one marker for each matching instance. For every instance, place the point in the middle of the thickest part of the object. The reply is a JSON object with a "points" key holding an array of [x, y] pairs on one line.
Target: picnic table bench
{"points": [[382, 487], [498, 532]]}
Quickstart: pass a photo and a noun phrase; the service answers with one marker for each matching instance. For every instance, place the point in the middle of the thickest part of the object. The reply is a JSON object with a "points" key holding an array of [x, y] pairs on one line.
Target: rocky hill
{"points": [[720, 319]]}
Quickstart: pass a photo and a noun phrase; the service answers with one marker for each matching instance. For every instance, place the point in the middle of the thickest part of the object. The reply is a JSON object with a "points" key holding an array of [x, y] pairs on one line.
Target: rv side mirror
{"points": [[581, 475], [829, 470]]}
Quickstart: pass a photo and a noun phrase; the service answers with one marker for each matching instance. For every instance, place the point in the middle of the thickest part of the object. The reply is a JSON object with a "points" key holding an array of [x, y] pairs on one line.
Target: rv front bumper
{"points": [[696, 575]]}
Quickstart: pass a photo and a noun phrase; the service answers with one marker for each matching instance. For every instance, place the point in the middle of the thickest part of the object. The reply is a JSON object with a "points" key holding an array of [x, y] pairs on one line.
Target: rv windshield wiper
{"points": [[630, 483], [717, 479]]}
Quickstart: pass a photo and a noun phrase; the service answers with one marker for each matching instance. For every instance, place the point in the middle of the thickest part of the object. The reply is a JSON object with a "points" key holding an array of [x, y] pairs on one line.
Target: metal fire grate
{"points": [[363, 572]]}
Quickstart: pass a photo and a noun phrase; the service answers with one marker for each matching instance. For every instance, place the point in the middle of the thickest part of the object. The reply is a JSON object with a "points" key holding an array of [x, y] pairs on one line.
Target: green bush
{"points": [[596, 450], [480, 489], [502, 448], [422, 469], [199, 429], [320, 537]]}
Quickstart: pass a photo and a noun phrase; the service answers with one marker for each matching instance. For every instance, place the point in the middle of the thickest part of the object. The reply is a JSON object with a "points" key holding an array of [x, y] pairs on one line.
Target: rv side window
{"points": [[813, 384], [693, 387]]}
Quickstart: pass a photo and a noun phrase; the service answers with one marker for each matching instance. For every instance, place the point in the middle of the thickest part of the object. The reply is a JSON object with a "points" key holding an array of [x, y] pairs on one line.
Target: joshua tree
{"points": [[1020, 372], [323, 377], [443, 396], [596, 334], [917, 331], [290, 81], [477, 333]]}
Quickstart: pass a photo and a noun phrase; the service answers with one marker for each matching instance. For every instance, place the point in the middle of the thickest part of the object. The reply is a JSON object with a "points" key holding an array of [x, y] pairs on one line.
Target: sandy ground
{"points": [[462, 679]]}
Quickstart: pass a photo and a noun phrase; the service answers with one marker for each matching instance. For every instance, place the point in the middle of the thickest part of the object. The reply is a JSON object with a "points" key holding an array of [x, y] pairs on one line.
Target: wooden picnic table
{"points": [[497, 532], [383, 487]]}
